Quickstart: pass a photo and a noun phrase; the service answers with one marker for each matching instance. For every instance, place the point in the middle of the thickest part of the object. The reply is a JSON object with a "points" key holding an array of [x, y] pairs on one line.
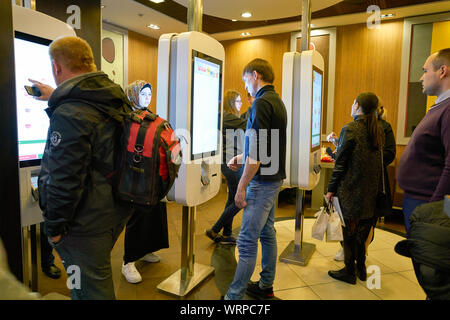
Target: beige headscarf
{"points": [[133, 90]]}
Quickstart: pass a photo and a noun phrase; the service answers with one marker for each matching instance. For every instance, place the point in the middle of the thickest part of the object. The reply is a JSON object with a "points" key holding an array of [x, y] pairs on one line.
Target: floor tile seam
{"points": [[393, 270], [362, 284], [307, 286], [290, 288], [404, 276], [394, 298]]}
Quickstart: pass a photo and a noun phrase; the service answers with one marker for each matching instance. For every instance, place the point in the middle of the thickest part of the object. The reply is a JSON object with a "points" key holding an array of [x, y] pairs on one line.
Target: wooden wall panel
{"points": [[369, 60], [240, 52], [143, 61]]}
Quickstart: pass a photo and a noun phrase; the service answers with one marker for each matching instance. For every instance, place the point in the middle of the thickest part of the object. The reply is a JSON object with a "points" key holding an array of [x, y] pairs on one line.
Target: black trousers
{"points": [[355, 235]]}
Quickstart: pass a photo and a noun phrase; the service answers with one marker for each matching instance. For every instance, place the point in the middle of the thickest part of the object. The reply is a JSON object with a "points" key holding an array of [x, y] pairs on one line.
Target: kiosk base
{"points": [[177, 286], [293, 254], [298, 252]]}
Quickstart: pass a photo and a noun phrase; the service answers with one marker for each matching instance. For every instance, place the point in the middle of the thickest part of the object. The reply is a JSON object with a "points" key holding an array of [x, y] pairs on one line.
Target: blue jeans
{"points": [[257, 223], [409, 204], [226, 219]]}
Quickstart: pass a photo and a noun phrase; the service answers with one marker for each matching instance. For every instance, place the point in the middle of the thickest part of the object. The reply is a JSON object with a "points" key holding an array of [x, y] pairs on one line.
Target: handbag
{"points": [[320, 225], [383, 200]]}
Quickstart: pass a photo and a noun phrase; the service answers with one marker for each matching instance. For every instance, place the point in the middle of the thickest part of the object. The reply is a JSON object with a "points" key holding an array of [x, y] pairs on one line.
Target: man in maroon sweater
{"points": [[424, 168]]}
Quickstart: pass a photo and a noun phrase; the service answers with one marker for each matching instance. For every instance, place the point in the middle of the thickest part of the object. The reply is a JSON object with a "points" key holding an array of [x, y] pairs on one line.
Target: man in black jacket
{"points": [[82, 220]]}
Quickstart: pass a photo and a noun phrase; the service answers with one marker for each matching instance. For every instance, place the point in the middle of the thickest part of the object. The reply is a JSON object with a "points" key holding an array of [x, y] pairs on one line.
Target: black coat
{"points": [[73, 195], [429, 248], [357, 172]]}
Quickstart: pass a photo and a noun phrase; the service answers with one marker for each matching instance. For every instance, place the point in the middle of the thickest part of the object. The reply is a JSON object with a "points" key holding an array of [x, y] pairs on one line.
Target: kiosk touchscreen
{"points": [[34, 31], [32, 61], [303, 80], [190, 84]]}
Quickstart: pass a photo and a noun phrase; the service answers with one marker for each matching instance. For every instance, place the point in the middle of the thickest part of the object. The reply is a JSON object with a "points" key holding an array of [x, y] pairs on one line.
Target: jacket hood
{"points": [[93, 87]]}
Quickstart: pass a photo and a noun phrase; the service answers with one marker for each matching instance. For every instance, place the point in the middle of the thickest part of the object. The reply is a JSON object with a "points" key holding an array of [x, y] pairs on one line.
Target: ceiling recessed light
{"points": [[245, 34], [246, 15], [388, 15], [234, 20], [154, 26], [102, 6], [157, 1]]}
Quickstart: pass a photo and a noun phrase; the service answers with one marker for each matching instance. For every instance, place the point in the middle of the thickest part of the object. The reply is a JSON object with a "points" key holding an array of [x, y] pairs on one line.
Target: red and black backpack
{"points": [[150, 159], [147, 157]]}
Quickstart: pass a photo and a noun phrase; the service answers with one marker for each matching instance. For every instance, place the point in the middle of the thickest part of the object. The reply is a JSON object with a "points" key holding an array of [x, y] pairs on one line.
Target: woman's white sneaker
{"points": [[151, 257], [130, 273]]}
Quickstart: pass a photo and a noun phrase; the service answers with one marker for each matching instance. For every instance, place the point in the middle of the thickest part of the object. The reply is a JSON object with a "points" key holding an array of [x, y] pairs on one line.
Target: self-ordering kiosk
{"points": [[34, 31], [190, 84], [303, 79]]}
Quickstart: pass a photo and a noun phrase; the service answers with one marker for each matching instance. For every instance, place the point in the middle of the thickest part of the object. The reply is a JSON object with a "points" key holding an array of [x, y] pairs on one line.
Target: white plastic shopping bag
{"points": [[334, 227], [320, 225]]}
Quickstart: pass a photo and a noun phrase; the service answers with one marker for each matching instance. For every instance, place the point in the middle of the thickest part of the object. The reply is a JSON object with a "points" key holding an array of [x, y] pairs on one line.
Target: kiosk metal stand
{"points": [[191, 274], [298, 252]]}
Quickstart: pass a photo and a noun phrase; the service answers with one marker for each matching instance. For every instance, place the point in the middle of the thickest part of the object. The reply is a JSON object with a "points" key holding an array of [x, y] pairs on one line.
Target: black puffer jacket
{"points": [[74, 196], [429, 248], [357, 172]]}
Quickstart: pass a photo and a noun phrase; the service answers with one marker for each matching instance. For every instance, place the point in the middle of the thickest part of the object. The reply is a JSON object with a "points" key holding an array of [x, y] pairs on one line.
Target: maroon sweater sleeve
{"points": [[443, 186]]}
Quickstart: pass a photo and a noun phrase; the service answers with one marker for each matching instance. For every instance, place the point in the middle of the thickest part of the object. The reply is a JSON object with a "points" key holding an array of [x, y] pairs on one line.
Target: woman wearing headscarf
{"points": [[146, 231]]}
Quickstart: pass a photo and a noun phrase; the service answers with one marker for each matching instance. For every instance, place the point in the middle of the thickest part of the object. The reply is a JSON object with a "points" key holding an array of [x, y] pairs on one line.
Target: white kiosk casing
{"points": [[303, 150], [37, 24], [199, 177]]}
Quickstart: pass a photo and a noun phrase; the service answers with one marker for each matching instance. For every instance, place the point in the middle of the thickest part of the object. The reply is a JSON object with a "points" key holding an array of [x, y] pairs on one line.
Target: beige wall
{"points": [[240, 52]]}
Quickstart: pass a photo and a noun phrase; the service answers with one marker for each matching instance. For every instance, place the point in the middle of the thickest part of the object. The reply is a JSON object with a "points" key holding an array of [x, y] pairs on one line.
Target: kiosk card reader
{"points": [[303, 79], [190, 85], [34, 31]]}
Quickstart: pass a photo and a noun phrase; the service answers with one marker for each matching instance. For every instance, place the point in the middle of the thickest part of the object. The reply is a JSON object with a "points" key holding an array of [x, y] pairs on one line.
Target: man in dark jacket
{"points": [[260, 183], [428, 247], [82, 220]]}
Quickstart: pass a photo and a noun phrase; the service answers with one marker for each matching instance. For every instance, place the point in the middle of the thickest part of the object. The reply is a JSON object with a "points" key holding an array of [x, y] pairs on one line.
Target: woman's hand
{"points": [[329, 196]]}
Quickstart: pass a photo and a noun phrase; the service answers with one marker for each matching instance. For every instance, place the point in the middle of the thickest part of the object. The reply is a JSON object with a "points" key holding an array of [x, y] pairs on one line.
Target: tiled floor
{"points": [[310, 282]]}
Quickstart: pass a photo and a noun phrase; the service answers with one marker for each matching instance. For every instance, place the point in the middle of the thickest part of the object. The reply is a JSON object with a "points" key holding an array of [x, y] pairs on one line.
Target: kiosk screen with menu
{"points": [[205, 104], [32, 62], [316, 114]]}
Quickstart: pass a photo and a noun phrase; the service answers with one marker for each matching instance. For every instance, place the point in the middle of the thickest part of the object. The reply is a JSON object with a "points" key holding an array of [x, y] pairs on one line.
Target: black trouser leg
{"points": [[349, 245], [362, 232]]}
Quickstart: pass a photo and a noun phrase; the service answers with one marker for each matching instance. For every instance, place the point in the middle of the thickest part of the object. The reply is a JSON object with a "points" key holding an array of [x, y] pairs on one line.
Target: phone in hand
{"points": [[33, 91]]}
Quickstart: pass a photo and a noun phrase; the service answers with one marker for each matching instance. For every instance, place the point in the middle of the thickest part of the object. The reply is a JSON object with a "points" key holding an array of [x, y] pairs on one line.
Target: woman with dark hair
{"points": [[233, 136], [389, 151], [356, 181], [147, 230]]}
